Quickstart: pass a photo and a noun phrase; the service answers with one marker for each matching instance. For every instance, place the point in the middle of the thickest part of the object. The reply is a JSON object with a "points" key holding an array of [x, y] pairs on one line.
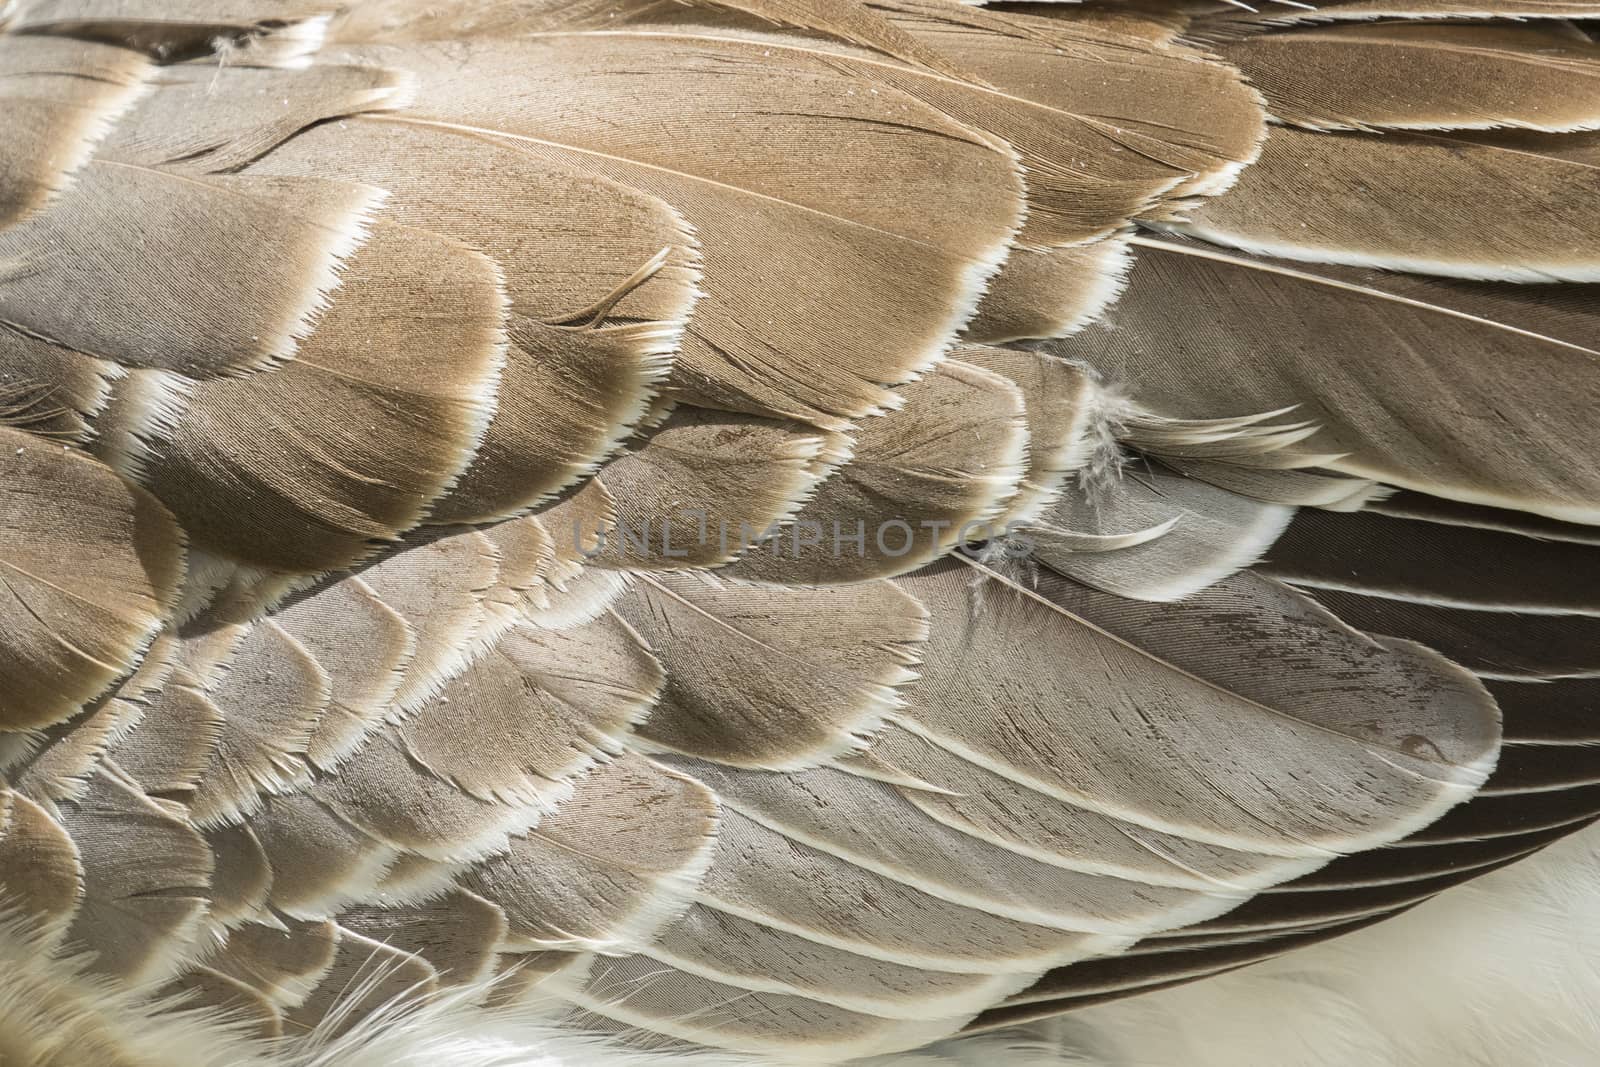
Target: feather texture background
{"points": [[798, 528], [1498, 971]]}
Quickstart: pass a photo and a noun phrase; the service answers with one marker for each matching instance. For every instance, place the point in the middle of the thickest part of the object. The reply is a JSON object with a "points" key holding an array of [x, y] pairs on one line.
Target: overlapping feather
{"points": [[447, 562]]}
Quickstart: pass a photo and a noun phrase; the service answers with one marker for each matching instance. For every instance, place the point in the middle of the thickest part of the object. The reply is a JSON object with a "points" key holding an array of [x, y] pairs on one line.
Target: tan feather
{"points": [[91, 567], [1403, 375], [146, 880], [363, 645], [171, 748], [224, 998], [208, 118], [311, 482], [810, 694], [414, 879], [69, 752], [741, 952], [793, 849], [960, 793], [437, 585], [61, 98], [284, 961], [1015, 76], [534, 711], [242, 877], [1294, 488], [617, 861], [1410, 201], [206, 318], [912, 285], [1159, 143], [40, 872], [386, 795], [579, 370], [1051, 293], [857, 23], [271, 693], [871, 825], [770, 878], [1059, 407], [365, 976], [1300, 723], [707, 484], [320, 863], [1153, 90], [526, 548], [168, 28], [932, 474], [648, 994], [1157, 23], [578, 524], [1419, 76], [1186, 534], [1017, 80], [458, 934], [50, 391]]}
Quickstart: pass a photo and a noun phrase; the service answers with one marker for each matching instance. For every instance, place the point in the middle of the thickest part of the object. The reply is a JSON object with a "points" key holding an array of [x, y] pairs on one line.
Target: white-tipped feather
{"points": [[879, 807]]}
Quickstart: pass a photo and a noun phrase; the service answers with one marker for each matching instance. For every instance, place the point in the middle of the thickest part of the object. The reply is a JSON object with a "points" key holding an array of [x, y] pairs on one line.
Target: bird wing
{"points": [[796, 527]]}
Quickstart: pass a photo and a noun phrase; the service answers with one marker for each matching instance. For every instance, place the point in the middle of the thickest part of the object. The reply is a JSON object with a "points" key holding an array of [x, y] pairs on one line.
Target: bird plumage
{"points": [[801, 528]]}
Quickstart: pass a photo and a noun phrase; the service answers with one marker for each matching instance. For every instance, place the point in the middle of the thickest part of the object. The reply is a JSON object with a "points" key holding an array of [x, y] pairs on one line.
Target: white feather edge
{"points": [[89, 131], [1505, 272]]}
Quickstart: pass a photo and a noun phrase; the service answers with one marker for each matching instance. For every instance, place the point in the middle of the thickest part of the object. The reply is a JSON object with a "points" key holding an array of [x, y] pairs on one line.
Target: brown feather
{"points": [[1475, 392], [911, 285], [1421, 76], [209, 316], [310, 479], [751, 680], [573, 384], [1422, 202], [90, 569], [934, 473], [60, 99], [146, 878], [40, 871]]}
